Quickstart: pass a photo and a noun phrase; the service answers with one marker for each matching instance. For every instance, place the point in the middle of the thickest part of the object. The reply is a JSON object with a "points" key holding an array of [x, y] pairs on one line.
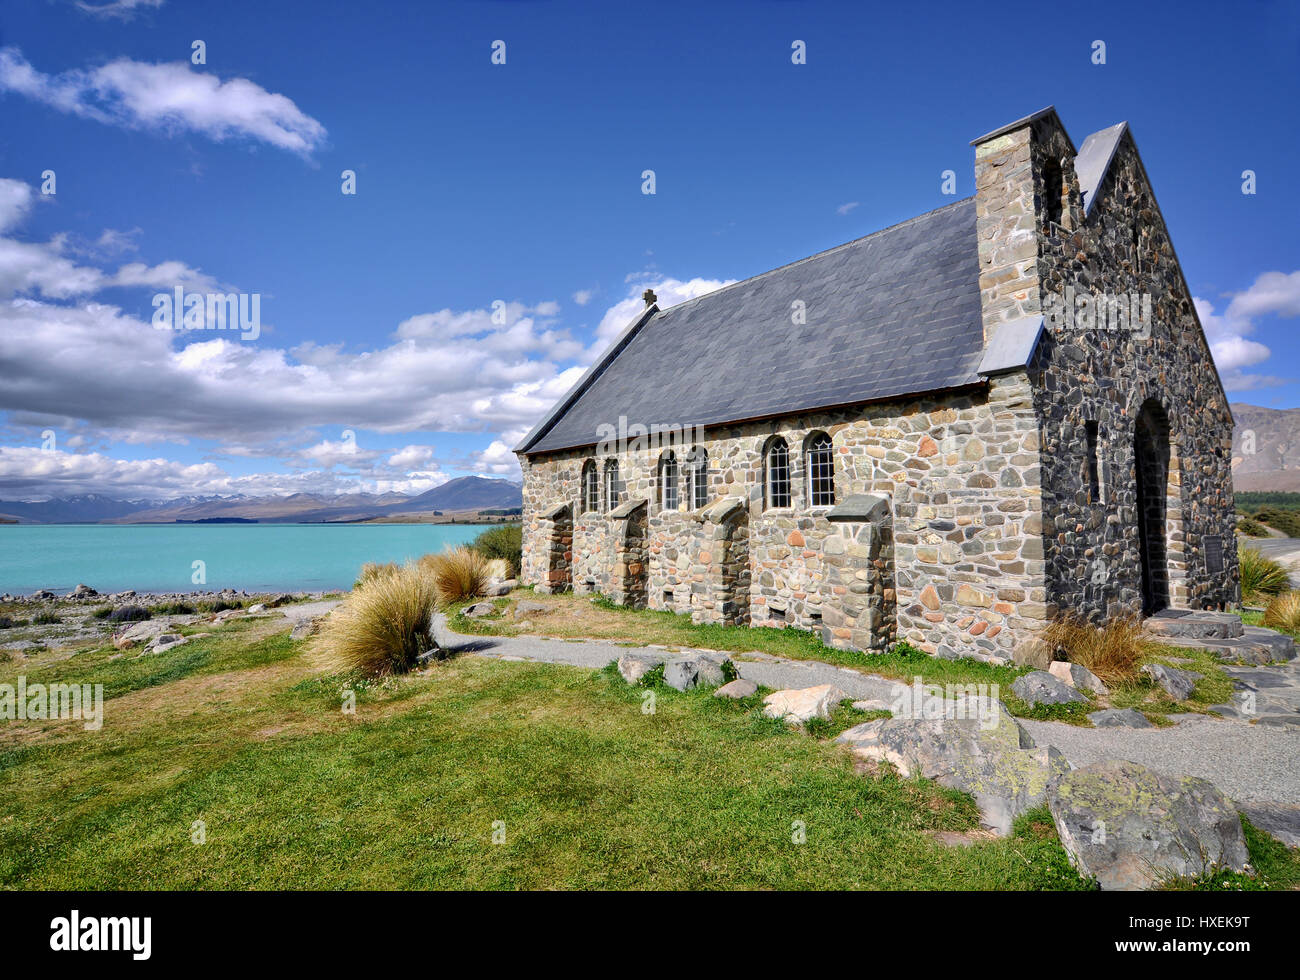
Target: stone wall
{"points": [[961, 472], [1091, 371]]}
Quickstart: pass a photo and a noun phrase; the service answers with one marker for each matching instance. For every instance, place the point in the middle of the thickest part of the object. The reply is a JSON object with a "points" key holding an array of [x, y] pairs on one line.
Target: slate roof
{"points": [[1093, 161], [895, 313]]}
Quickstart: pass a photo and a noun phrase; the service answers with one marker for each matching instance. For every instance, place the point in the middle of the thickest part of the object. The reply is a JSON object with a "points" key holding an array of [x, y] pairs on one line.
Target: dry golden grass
{"points": [[1113, 652], [383, 626], [370, 569], [457, 573], [1283, 613]]}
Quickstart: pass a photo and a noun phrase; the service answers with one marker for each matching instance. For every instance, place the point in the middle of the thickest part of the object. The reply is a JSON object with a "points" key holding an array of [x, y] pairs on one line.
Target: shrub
{"points": [[1286, 521], [219, 605], [1283, 613], [45, 619], [172, 609], [103, 612], [505, 542], [1251, 528], [383, 626], [1113, 652], [1261, 576], [129, 614], [9, 623], [458, 573]]}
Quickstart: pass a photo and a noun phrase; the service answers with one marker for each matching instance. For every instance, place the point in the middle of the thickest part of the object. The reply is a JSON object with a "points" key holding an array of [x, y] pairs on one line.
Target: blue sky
{"points": [[521, 183]]}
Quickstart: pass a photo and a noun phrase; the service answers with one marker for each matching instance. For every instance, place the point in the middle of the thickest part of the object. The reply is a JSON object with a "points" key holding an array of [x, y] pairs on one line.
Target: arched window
{"points": [[1053, 192], [697, 477], [821, 471], [590, 487], [668, 480], [776, 474], [612, 486]]}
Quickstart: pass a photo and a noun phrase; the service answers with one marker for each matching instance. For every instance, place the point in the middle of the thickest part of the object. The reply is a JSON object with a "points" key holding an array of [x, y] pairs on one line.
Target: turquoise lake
{"points": [[254, 557]]}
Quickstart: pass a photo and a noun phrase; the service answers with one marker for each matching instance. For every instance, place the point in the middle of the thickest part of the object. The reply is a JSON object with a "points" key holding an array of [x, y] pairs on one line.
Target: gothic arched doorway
{"points": [[1151, 470]]}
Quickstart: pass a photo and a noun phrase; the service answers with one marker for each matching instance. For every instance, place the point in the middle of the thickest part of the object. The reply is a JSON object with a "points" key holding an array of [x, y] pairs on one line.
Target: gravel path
{"points": [[1250, 763]]}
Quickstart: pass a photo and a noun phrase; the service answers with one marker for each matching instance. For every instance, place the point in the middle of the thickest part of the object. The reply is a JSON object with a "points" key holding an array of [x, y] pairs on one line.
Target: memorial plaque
{"points": [[1214, 553]]}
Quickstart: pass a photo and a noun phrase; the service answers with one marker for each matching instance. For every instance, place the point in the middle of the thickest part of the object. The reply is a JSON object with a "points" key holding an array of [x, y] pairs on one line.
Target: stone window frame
{"points": [[669, 496], [612, 487], [815, 472], [769, 446], [697, 478], [589, 488]]}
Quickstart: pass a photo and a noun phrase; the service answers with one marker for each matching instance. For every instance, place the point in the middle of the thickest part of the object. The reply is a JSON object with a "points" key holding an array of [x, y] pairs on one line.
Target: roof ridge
{"points": [[815, 255]]}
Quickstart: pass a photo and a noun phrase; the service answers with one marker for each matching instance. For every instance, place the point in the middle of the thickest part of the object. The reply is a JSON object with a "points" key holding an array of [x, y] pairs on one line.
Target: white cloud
{"points": [[15, 202], [168, 97], [120, 9], [669, 292], [411, 457], [1272, 293], [844, 209], [583, 296]]}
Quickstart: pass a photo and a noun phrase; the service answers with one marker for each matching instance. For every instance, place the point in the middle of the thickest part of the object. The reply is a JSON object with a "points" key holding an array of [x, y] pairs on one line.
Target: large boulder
{"points": [[1178, 684], [1040, 687], [804, 704], [1077, 676], [82, 591], [695, 670], [496, 587], [634, 666], [1033, 651], [1132, 827], [142, 632], [972, 744]]}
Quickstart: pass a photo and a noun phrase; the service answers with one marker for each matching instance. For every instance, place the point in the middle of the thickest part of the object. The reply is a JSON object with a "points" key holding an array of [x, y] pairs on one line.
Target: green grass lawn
{"points": [[583, 787], [238, 731]]}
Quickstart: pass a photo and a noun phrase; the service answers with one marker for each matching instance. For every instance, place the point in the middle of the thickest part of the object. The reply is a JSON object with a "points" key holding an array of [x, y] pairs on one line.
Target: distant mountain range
{"points": [[467, 493], [1266, 448]]}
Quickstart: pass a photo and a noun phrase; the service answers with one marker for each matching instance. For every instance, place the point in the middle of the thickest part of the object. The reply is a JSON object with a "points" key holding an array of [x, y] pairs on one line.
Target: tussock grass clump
{"points": [[172, 609], [458, 573], [1113, 652], [45, 619], [372, 569], [129, 614], [1283, 613], [1261, 576], [505, 542], [8, 623], [383, 626]]}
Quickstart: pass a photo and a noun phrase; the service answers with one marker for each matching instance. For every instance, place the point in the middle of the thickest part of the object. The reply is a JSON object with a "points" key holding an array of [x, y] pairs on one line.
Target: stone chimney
{"points": [[1025, 191]]}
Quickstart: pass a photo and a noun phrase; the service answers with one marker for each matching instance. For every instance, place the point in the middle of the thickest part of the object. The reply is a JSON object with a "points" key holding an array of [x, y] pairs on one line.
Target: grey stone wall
{"points": [[1107, 374]]}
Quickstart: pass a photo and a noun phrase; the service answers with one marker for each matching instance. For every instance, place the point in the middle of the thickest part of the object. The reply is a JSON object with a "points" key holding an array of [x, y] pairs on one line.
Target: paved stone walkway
{"points": [[1252, 763]]}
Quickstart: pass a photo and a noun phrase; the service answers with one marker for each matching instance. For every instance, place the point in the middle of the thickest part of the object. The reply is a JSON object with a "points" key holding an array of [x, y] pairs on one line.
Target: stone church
{"points": [[948, 432]]}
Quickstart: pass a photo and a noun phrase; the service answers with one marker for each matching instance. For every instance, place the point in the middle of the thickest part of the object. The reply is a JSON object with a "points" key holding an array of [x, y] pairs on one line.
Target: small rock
{"points": [[799, 706], [1178, 684], [525, 606], [259, 607], [164, 642], [82, 591], [1131, 827], [305, 628], [498, 587], [479, 609], [1040, 687], [737, 689], [1077, 676], [634, 666], [1119, 718]]}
